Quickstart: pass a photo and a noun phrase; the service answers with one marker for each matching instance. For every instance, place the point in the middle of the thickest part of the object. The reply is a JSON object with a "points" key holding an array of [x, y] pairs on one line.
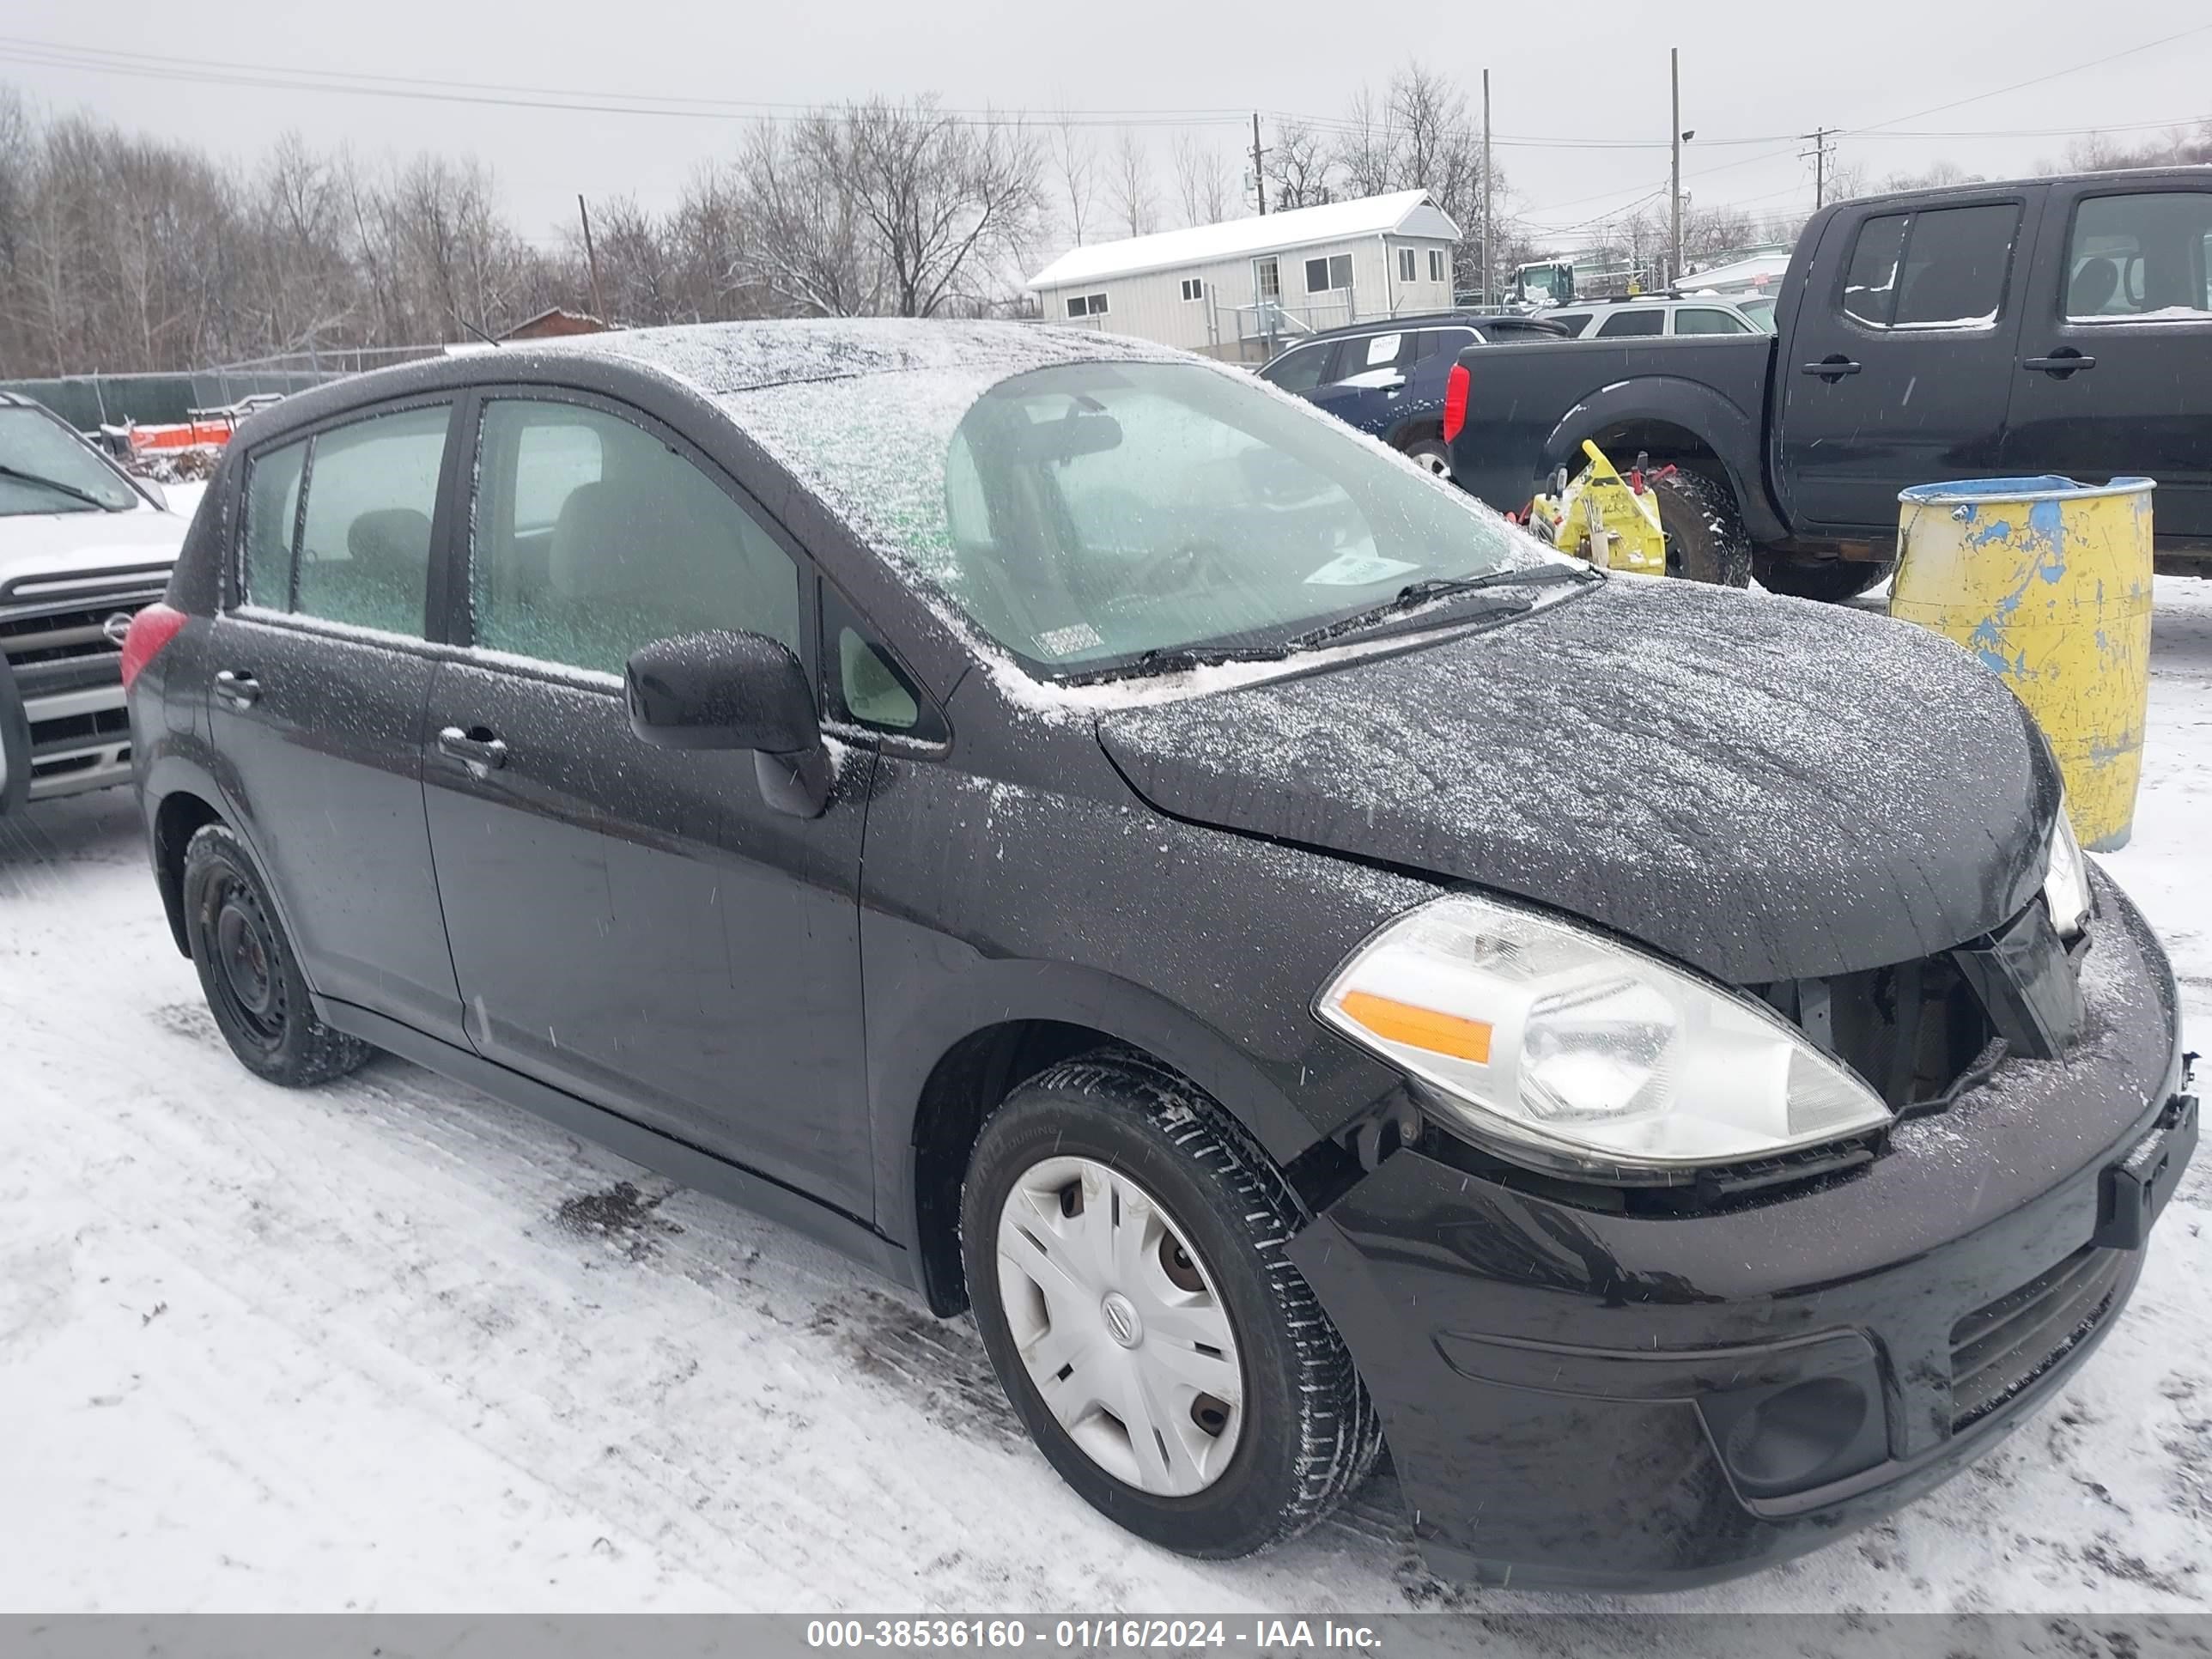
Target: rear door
{"points": [[1899, 370], [321, 672], [2116, 354], [632, 925], [1368, 379]]}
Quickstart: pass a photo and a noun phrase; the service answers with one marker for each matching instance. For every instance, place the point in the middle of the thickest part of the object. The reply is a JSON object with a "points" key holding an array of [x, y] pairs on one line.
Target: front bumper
{"points": [[1600, 1399]]}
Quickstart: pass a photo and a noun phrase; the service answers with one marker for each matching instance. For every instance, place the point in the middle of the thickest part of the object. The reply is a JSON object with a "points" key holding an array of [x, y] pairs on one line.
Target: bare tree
{"points": [[1201, 182], [1129, 184], [943, 197], [1077, 164], [808, 246], [1298, 167]]}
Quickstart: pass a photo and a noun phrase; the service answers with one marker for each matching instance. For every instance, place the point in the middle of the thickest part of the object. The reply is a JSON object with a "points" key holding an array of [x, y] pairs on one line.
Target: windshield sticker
{"points": [[1358, 569], [1065, 642]]}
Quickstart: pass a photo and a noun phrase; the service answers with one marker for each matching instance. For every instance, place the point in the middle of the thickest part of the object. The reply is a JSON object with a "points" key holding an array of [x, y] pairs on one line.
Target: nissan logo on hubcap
{"points": [[1122, 1322]]}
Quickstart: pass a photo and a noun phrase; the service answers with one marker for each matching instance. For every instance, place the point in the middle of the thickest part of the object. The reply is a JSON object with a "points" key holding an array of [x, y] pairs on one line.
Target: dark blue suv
{"points": [[1387, 377]]}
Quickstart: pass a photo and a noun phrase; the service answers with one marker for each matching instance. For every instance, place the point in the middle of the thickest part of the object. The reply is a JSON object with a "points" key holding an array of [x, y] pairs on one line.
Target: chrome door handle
{"points": [[475, 748], [238, 688]]}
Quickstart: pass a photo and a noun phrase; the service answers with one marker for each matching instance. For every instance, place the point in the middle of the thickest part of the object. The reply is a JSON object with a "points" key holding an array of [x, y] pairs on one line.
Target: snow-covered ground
{"points": [[393, 1347]]}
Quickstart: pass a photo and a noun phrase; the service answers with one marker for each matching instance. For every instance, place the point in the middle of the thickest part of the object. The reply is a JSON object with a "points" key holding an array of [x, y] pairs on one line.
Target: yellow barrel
{"points": [[2048, 582]]}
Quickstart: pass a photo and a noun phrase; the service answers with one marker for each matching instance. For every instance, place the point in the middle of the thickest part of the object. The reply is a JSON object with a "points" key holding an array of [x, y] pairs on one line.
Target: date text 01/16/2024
{"points": [[1258, 1635]]}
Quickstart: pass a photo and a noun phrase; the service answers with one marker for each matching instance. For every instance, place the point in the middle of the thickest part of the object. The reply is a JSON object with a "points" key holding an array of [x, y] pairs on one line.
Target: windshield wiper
{"points": [[84, 495], [1175, 659], [1415, 595]]}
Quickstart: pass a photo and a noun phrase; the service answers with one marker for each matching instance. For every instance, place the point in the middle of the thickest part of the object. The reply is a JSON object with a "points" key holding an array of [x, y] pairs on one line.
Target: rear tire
{"points": [[1185, 1183], [250, 973], [1705, 538], [1830, 580]]}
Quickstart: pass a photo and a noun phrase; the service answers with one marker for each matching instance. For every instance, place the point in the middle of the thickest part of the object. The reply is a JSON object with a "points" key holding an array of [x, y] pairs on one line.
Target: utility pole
{"points": [[1259, 171], [1818, 137], [1486, 266], [591, 258], [1674, 193]]}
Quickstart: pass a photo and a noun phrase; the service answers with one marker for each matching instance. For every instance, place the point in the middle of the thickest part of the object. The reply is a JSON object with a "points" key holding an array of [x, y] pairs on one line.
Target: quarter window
{"points": [[360, 553], [592, 537], [1708, 319], [1943, 268], [2141, 256]]}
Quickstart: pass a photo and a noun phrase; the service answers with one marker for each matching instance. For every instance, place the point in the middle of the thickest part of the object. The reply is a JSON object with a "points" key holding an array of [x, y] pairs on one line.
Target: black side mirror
{"points": [[729, 690]]}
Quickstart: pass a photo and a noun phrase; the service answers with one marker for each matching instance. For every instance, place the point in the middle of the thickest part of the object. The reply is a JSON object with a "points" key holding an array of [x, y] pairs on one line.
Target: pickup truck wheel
{"points": [[1827, 580], [1705, 538], [250, 973]]}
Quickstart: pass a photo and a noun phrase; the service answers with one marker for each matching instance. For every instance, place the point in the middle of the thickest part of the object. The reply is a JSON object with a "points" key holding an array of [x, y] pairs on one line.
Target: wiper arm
{"points": [[84, 495], [1175, 659], [1416, 594]]}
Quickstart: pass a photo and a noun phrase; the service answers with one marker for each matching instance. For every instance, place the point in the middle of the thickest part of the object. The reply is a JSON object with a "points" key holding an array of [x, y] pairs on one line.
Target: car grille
{"points": [[1998, 1350], [69, 674], [1915, 1030]]}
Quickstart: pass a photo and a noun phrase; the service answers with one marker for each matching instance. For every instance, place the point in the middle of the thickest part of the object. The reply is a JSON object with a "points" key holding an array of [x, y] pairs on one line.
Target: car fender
{"points": [[1730, 431], [182, 766], [989, 992]]}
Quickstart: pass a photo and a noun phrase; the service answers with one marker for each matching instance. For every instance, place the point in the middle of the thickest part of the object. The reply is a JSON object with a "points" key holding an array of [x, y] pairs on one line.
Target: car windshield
{"points": [[1091, 515], [46, 468]]}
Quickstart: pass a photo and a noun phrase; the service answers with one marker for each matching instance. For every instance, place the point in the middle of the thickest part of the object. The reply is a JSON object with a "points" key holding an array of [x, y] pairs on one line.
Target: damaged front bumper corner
{"points": [[1576, 1396]]}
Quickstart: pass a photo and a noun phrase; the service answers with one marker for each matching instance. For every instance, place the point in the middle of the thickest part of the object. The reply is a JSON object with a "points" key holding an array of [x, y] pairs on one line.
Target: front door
{"points": [[633, 925], [2116, 354], [320, 679], [1899, 372]]}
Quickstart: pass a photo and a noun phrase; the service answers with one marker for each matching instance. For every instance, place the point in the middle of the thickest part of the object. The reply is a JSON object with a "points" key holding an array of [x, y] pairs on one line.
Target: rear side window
{"points": [[359, 550], [1621, 323], [1708, 319], [2141, 256], [590, 537], [1944, 268], [1573, 321]]}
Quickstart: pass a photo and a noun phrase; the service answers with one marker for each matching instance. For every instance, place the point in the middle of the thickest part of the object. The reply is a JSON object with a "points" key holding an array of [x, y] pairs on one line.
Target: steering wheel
{"points": [[1194, 561]]}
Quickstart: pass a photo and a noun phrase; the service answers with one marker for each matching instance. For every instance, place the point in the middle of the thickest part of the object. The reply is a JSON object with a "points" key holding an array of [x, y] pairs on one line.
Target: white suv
{"points": [[1614, 319], [83, 545]]}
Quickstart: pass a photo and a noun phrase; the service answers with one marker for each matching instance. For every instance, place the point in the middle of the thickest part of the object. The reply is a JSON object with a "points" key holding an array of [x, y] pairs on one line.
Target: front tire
{"points": [[1123, 1243], [1830, 580], [1705, 538], [250, 973]]}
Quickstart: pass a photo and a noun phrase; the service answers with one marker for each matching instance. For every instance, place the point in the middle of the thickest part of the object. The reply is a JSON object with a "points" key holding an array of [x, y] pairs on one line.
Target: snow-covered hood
{"points": [[36, 544], [1764, 788]]}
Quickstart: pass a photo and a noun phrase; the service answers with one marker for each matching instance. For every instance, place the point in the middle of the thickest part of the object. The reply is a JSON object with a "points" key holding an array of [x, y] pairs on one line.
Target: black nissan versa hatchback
{"points": [[1107, 846]]}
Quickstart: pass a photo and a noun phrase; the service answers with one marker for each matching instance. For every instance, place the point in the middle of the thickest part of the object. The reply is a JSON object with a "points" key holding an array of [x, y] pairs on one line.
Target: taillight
{"points": [[150, 629], [1455, 401]]}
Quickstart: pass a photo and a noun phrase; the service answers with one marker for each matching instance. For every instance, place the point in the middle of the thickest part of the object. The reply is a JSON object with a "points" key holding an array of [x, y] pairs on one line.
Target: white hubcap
{"points": [[1119, 1327]]}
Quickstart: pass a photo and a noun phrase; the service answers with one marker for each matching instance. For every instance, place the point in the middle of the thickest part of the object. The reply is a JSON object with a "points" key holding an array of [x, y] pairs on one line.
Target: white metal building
{"points": [[1235, 289]]}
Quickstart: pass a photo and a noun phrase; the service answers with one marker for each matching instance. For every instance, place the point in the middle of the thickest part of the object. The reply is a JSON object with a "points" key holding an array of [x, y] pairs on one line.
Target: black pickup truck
{"points": [[2058, 324]]}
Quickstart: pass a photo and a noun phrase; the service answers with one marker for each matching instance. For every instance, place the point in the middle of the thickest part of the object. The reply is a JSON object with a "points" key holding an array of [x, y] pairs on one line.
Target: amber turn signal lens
{"points": [[1419, 1027]]}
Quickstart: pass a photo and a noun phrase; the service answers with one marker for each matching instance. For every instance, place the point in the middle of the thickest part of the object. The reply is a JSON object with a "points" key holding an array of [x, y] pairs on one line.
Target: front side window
{"points": [[50, 469], [1084, 514], [359, 551], [1299, 371], [591, 536], [1939, 267], [1622, 323], [2145, 256]]}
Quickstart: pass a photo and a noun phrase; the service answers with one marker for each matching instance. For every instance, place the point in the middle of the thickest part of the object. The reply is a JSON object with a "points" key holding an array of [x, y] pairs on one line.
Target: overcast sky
{"points": [[1750, 72]]}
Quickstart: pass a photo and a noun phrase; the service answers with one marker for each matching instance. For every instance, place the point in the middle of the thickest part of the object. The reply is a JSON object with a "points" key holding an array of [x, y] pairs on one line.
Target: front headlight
{"points": [[2066, 879], [1561, 1041]]}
